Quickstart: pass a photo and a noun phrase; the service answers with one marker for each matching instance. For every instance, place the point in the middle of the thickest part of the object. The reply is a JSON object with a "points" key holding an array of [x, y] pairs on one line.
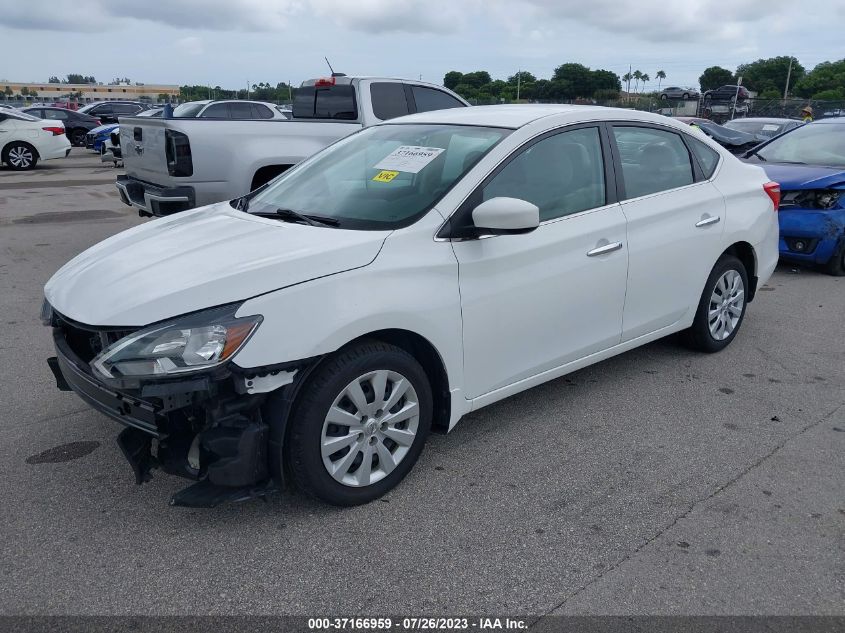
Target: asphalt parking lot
{"points": [[658, 482]]}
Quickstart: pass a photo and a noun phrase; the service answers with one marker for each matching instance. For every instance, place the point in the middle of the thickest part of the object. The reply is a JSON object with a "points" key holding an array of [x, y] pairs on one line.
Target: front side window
{"points": [[381, 178], [216, 111], [428, 99], [388, 100], [561, 174], [652, 160]]}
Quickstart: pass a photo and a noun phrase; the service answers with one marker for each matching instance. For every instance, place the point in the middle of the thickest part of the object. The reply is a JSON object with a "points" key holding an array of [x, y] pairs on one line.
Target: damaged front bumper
{"points": [[811, 236], [207, 428]]}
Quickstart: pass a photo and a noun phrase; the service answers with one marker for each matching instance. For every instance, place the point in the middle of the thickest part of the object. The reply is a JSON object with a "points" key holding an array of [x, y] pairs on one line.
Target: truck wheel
{"points": [[20, 156], [721, 309], [359, 424]]}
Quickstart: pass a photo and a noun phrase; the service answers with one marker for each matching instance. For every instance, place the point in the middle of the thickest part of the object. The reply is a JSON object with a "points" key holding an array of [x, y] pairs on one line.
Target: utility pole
{"points": [[518, 77], [788, 76], [290, 92], [628, 87]]}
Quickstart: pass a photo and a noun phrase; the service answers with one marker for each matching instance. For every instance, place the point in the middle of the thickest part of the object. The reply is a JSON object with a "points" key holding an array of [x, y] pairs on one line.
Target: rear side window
{"points": [[330, 102], [240, 110], [707, 157], [126, 108], [388, 100], [428, 99], [260, 111], [652, 160]]}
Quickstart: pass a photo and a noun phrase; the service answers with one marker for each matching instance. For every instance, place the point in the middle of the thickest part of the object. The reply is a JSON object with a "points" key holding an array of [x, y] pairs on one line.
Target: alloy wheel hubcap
{"points": [[20, 156], [726, 304], [370, 427]]}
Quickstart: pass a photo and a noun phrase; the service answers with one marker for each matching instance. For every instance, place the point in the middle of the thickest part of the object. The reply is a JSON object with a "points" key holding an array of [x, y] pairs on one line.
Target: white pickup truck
{"points": [[174, 164]]}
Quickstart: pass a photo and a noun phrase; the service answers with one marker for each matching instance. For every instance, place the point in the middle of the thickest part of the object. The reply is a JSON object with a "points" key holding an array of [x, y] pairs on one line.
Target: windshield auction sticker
{"points": [[410, 159], [385, 176]]}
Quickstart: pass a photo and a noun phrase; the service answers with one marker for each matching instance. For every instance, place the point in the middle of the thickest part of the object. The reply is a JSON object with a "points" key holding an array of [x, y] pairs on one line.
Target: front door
{"points": [[536, 301]]}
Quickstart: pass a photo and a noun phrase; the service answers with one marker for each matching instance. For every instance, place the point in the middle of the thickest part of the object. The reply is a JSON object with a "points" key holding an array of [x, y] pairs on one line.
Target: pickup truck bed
{"points": [[180, 163]]}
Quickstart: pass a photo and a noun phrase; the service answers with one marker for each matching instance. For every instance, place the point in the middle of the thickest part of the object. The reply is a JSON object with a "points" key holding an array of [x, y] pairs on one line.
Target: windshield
{"points": [[188, 110], [382, 178], [758, 128], [813, 144]]}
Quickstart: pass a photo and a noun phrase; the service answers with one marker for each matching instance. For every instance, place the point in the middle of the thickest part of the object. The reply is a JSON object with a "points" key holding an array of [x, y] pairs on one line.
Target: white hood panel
{"points": [[199, 259]]}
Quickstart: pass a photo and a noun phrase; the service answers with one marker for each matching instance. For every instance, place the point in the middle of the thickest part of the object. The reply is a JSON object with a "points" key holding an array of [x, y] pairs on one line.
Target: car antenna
{"points": [[334, 74]]}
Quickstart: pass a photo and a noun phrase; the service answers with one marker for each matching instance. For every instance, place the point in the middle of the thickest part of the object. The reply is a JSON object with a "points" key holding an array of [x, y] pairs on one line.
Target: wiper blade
{"points": [[313, 220]]}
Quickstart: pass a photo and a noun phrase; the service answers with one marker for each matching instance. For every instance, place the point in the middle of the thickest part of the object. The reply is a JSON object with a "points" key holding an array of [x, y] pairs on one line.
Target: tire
{"points": [[77, 138], [20, 156], [325, 417], [729, 278], [836, 265], [664, 97], [686, 96]]}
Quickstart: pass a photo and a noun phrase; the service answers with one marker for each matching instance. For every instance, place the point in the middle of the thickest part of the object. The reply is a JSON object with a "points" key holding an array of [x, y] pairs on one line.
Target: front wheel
{"points": [[77, 138], [721, 309], [360, 424], [20, 156]]}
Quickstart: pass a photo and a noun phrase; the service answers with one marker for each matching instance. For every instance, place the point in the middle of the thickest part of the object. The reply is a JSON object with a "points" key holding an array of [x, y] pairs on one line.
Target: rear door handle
{"points": [[708, 221], [604, 250]]}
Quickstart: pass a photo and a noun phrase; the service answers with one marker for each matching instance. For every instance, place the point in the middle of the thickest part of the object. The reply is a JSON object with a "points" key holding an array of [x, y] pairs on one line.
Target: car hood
{"points": [[199, 259], [103, 128], [797, 177]]}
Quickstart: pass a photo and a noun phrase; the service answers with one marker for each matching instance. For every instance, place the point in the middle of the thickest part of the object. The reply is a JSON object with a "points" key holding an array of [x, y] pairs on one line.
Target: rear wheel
{"points": [[686, 95], [77, 138], [360, 424], [721, 308], [20, 156]]}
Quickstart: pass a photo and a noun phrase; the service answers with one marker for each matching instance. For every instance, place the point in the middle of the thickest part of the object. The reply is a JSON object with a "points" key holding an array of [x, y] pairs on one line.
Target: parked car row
{"points": [[25, 140]]}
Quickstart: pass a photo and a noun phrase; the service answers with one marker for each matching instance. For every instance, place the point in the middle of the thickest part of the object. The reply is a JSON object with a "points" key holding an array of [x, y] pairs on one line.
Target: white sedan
{"points": [[316, 329], [25, 139]]}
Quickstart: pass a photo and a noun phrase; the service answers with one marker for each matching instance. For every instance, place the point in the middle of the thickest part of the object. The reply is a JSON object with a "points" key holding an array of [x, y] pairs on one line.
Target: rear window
{"points": [[388, 100], [21, 116], [330, 102], [430, 99], [260, 111]]}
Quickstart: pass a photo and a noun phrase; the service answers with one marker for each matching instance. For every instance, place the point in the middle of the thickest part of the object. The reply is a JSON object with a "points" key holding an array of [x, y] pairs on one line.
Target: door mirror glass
{"points": [[505, 216]]}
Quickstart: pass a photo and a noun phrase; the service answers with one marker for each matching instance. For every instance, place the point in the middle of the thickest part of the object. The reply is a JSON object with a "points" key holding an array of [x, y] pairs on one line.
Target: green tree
{"points": [[25, 92], [645, 79], [452, 79], [54, 80], [836, 94], [823, 78], [770, 93], [661, 75], [770, 74], [638, 75], [714, 77], [524, 76], [76, 78], [476, 79], [8, 92], [626, 79]]}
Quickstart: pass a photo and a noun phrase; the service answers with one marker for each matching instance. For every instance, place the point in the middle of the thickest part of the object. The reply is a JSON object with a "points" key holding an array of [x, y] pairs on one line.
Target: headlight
{"points": [[186, 344]]}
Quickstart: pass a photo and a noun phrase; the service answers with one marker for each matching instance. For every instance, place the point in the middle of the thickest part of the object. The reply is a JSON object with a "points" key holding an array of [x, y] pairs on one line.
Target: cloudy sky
{"points": [[230, 42]]}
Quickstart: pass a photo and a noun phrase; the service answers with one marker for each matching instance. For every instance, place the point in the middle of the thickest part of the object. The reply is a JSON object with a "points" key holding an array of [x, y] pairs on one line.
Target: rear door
{"points": [[675, 225]]}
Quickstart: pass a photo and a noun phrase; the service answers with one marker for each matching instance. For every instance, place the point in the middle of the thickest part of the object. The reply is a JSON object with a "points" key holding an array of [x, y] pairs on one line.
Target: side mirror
{"points": [[506, 216]]}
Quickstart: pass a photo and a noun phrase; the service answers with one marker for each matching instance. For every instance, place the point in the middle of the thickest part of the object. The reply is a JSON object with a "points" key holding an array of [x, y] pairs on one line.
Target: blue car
{"points": [[809, 164], [95, 138]]}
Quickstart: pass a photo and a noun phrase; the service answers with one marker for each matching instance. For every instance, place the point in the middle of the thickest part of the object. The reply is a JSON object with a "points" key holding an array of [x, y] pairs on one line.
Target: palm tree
{"points": [[660, 76], [645, 79], [637, 75]]}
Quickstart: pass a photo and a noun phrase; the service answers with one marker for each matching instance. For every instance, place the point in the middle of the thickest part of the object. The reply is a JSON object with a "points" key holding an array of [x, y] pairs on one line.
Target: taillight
{"points": [[772, 189], [56, 131], [325, 81], [177, 150]]}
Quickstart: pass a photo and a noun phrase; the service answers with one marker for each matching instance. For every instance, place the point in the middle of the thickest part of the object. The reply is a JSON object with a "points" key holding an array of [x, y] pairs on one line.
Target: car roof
{"points": [[518, 115], [834, 120]]}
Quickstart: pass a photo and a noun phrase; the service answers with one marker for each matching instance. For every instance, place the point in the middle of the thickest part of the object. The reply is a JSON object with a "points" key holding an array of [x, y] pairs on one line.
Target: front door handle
{"points": [[604, 250], [708, 221]]}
